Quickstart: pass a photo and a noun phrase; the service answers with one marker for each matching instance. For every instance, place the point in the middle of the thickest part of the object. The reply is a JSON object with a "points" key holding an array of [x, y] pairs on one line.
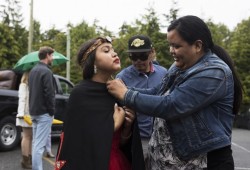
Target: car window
{"points": [[66, 87]]}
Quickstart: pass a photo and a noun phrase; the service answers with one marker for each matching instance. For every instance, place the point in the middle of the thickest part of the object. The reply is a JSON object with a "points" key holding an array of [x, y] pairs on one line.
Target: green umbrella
{"points": [[30, 60]]}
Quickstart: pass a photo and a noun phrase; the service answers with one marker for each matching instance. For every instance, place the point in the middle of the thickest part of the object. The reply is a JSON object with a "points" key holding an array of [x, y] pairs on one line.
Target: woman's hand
{"points": [[129, 117], [118, 116], [117, 88], [20, 115], [127, 127]]}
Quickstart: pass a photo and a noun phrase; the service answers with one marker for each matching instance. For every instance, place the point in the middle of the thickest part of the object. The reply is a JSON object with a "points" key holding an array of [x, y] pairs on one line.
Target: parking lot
{"points": [[240, 144]]}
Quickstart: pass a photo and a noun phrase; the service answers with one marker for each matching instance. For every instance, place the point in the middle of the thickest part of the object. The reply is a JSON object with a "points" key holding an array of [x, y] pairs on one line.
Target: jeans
{"points": [[41, 125], [48, 144]]}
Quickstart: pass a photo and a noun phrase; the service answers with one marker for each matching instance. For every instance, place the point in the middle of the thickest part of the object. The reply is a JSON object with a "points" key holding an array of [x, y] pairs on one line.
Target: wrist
{"points": [[126, 136]]}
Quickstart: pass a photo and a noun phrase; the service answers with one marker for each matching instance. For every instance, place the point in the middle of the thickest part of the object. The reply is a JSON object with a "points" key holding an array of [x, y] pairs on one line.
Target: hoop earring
{"points": [[95, 69]]}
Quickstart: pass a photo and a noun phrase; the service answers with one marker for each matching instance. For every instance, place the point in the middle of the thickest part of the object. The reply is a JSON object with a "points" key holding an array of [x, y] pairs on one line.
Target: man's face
{"points": [[49, 59], [141, 61]]}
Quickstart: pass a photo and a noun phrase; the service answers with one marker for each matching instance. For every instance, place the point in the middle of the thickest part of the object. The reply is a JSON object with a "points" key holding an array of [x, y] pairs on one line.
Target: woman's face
{"points": [[107, 61], [184, 54]]}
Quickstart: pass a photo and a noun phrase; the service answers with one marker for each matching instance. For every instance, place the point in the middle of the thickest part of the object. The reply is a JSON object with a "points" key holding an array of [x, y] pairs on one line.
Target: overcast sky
{"points": [[112, 13]]}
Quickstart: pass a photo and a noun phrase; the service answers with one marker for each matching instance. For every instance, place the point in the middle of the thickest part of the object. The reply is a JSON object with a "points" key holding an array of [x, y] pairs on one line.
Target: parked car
{"points": [[10, 134]]}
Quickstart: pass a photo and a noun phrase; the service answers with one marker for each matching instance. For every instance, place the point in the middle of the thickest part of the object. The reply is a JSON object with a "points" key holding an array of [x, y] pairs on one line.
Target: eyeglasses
{"points": [[140, 56]]}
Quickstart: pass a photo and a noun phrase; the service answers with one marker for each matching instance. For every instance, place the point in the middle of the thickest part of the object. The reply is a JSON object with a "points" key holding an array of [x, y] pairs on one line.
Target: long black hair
{"points": [[191, 29], [88, 65]]}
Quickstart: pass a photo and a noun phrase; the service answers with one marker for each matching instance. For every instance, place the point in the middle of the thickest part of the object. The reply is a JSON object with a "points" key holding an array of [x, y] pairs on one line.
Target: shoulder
{"points": [[40, 70], [81, 86], [23, 86], [127, 72], [41, 67], [84, 90], [216, 65], [160, 68]]}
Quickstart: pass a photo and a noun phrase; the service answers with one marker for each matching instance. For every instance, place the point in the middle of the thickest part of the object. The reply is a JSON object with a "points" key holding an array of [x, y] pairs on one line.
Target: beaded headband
{"points": [[98, 42]]}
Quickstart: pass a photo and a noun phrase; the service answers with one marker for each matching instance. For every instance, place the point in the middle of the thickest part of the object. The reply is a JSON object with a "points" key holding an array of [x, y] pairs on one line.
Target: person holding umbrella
{"points": [[41, 103]]}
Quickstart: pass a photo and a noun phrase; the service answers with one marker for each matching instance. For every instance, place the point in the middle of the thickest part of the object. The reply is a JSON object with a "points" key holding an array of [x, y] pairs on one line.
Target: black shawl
{"points": [[88, 130]]}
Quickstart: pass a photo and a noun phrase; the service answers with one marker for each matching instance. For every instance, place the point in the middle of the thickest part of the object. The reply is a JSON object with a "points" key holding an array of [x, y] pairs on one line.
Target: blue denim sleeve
{"points": [[151, 91], [129, 97], [198, 91]]}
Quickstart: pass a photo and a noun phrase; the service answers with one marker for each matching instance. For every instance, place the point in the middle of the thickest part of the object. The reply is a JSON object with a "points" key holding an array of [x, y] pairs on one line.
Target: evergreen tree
{"points": [[240, 52]]}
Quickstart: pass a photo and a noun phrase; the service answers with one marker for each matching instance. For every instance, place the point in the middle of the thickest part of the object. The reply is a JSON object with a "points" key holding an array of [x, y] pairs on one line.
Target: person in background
{"points": [[41, 104], [23, 110], [153, 57], [195, 104], [98, 134], [142, 74]]}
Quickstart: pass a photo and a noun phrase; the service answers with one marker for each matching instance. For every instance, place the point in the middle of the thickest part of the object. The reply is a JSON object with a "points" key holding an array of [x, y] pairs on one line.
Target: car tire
{"points": [[10, 134]]}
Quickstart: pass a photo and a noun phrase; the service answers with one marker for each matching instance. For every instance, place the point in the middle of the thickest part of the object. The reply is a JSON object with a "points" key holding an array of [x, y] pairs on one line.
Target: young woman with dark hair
{"points": [[98, 134]]}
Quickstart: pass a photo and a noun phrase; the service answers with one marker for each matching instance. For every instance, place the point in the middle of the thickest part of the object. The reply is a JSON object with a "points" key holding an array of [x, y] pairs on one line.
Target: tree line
{"points": [[14, 40]]}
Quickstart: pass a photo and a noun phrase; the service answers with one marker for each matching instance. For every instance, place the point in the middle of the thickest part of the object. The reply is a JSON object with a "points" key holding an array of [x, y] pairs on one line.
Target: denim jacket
{"points": [[198, 106]]}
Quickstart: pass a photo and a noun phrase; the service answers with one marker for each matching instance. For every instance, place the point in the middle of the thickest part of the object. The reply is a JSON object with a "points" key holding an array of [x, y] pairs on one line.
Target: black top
{"points": [[41, 90], [88, 130]]}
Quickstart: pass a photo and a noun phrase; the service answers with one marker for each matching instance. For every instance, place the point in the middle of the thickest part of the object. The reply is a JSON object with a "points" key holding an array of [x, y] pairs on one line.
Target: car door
{"points": [[63, 89]]}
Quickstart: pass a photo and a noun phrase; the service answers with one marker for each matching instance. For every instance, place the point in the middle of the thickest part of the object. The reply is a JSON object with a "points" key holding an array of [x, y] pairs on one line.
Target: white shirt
{"points": [[23, 104]]}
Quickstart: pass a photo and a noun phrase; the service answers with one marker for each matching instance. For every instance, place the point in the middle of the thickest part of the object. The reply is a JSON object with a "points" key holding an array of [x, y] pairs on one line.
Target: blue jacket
{"points": [[133, 78], [198, 106]]}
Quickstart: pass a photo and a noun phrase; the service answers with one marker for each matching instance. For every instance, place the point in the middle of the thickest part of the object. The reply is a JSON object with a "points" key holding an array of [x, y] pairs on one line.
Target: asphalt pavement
{"points": [[240, 144]]}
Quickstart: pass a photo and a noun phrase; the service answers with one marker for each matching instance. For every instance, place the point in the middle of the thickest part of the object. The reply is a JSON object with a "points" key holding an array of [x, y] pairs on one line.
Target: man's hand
{"points": [[117, 88]]}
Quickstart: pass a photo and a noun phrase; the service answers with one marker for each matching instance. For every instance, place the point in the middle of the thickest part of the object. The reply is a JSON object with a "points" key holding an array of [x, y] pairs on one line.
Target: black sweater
{"points": [[88, 130], [41, 90]]}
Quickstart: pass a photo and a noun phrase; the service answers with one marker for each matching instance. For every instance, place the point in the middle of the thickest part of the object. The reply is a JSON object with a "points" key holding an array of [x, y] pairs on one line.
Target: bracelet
{"points": [[126, 137]]}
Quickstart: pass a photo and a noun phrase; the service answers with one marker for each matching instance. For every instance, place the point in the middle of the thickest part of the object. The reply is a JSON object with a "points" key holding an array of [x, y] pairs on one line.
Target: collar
{"points": [[42, 63], [151, 69]]}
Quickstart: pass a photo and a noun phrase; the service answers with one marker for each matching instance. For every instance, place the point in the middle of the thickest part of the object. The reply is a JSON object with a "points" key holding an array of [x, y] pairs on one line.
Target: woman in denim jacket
{"points": [[197, 99]]}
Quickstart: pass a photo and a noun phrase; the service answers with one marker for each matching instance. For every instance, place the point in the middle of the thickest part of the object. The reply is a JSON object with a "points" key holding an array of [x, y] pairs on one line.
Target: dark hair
{"points": [[43, 51], [191, 29], [86, 56]]}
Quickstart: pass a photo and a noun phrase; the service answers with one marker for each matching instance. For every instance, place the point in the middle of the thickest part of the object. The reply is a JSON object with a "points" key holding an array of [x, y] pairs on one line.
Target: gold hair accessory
{"points": [[137, 42], [98, 42]]}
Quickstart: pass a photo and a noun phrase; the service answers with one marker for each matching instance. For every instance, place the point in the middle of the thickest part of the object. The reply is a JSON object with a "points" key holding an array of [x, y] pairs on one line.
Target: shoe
{"points": [[50, 155], [26, 163]]}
